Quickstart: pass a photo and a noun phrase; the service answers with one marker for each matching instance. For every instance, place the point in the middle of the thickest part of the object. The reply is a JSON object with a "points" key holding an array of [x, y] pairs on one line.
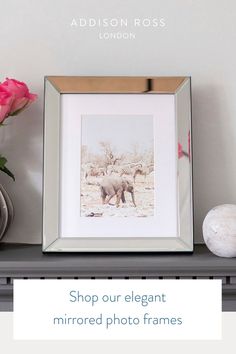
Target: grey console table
{"points": [[28, 262]]}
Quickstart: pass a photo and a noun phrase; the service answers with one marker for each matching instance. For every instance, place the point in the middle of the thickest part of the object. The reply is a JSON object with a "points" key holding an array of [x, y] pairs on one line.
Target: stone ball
{"points": [[219, 230]]}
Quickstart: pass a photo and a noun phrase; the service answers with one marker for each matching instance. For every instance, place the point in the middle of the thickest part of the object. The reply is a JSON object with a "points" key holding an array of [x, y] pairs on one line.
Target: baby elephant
{"points": [[116, 186]]}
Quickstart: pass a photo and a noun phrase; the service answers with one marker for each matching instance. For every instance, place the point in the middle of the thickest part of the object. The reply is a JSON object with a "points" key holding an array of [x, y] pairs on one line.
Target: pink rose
{"points": [[22, 97], [6, 100]]}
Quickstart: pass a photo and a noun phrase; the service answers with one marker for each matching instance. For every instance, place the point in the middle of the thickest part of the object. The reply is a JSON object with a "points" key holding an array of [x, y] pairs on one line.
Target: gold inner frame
{"points": [[113, 84]]}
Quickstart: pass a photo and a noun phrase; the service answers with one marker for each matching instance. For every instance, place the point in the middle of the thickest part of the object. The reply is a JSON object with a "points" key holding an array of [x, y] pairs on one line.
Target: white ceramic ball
{"points": [[219, 230]]}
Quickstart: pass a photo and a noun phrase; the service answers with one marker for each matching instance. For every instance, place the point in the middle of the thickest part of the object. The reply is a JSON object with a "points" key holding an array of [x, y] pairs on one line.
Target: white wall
{"points": [[198, 40]]}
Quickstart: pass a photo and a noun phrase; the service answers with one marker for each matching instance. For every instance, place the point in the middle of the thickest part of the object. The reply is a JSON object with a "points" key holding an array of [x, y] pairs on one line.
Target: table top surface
{"points": [[29, 260]]}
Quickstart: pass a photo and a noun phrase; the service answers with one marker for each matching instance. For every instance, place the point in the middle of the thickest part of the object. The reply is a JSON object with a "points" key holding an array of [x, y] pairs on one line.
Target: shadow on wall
{"points": [[21, 143], [212, 169]]}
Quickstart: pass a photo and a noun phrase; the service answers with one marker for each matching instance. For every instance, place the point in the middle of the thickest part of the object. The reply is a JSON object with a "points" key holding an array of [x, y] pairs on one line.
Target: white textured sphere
{"points": [[219, 230]]}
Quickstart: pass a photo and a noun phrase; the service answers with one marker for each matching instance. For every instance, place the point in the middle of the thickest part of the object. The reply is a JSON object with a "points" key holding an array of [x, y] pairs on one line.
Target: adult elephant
{"points": [[116, 186]]}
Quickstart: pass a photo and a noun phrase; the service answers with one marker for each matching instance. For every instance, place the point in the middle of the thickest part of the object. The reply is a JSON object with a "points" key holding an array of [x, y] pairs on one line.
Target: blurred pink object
{"points": [[180, 151], [189, 146]]}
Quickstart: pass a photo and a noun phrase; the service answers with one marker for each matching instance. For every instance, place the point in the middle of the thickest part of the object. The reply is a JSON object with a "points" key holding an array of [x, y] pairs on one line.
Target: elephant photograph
{"points": [[117, 166]]}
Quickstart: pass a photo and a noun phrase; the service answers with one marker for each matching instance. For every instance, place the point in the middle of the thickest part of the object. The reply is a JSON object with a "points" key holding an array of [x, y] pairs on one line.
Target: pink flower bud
{"points": [[22, 97]]}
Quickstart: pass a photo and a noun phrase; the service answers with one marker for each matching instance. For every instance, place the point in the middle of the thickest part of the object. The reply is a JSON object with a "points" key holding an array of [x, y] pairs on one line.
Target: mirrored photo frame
{"points": [[117, 164]]}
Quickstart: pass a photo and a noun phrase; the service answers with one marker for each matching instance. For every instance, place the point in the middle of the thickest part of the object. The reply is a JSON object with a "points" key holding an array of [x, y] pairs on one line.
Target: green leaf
{"points": [[8, 172], [3, 161], [4, 169]]}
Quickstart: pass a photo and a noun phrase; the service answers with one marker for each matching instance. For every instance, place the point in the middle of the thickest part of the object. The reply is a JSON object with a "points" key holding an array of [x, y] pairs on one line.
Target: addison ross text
{"points": [[117, 22]]}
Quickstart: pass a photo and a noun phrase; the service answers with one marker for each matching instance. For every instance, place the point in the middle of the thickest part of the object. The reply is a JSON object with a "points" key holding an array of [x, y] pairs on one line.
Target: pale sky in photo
{"points": [[120, 130]]}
